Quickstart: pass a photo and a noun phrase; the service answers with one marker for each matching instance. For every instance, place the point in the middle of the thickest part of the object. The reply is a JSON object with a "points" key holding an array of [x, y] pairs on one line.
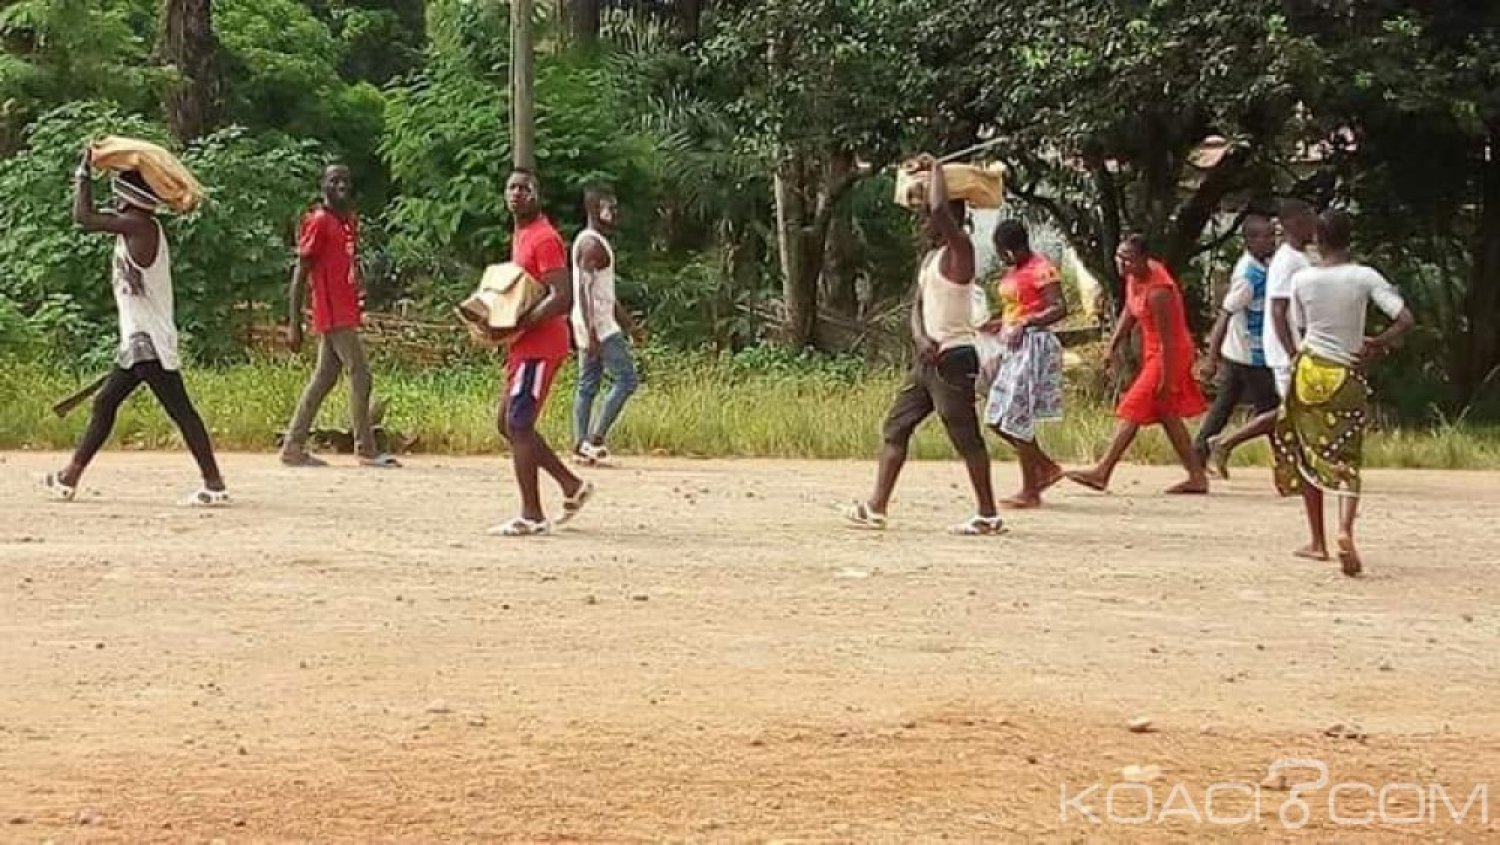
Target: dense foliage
{"points": [[751, 143]]}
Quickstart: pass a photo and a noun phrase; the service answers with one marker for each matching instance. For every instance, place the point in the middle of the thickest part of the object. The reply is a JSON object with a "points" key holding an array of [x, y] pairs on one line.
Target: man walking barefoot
{"points": [[947, 366], [328, 255], [600, 326], [539, 351]]}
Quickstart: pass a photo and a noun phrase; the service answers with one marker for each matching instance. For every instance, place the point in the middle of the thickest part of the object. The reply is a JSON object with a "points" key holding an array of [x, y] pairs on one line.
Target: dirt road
{"points": [[706, 655]]}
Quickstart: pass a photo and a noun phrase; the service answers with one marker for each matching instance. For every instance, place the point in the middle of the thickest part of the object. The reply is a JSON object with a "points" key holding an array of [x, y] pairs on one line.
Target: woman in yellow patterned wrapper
{"points": [[1319, 437]]}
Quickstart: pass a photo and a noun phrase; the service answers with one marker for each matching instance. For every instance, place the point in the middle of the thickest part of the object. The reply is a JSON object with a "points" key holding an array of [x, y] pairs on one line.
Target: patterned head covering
{"points": [[131, 189]]}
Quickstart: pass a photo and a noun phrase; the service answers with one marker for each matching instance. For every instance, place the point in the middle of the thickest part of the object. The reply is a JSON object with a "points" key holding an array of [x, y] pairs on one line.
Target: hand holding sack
{"points": [[980, 186], [168, 178], [493, 313]]}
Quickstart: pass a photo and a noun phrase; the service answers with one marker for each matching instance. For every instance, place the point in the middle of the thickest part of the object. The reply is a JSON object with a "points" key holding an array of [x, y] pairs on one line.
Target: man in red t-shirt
{"points": [[327, 251], [535, 356]]}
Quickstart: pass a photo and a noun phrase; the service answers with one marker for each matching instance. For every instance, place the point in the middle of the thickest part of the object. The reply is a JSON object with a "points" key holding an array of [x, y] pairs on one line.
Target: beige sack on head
{"points": [[981, 186], [167, 176], [505, 293]]}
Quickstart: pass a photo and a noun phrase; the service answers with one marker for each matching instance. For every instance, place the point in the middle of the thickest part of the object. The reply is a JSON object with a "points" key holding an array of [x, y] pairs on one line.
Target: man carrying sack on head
{"points": [[146, 175], [943, 327]]}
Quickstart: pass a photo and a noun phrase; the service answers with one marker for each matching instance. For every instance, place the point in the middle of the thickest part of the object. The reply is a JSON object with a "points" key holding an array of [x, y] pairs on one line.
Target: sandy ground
{"points": [[706, 655]]}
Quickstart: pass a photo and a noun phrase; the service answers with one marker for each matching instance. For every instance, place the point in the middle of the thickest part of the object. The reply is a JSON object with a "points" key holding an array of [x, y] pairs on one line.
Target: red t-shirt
{"points": [[539, 250], [329, 242], [1021, 289]]}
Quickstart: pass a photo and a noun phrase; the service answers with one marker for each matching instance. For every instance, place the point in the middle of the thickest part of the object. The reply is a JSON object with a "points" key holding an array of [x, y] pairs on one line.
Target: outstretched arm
{"points": [[958, 259]]}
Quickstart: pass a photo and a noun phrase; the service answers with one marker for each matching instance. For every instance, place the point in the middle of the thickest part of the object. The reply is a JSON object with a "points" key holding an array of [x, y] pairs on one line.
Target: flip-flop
{"points": [[981, 526], [521, 527], [206, 498], [52, 485], [1183, 490], [861, 515], [574, 503], [380, 462]]}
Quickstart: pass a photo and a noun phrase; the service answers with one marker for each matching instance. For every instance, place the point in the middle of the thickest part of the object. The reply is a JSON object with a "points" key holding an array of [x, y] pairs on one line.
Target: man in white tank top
{"points": [[946, 369], [141, 277], [600, 326]]}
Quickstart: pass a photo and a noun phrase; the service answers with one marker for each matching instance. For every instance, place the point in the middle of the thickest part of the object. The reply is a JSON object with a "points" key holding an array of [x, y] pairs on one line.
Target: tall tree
{"points": [[1105, 105], [188, 45]]}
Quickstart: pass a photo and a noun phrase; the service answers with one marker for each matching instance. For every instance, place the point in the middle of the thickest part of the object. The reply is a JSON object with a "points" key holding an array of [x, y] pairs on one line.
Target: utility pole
{"points": [[522, 84]]}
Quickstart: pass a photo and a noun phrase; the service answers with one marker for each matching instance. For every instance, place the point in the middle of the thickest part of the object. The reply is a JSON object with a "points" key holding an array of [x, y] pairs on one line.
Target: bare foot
{"points": [[1191, 487], [1023, 500], [1050, 476], [1349, 560], [1088, 478], [1311, 552]]}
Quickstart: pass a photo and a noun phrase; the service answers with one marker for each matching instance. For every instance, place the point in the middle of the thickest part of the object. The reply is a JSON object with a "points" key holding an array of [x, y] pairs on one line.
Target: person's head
{"points": [[133, 195], [1335, 233], [602, 207], [958, 210], [1132, 257], [1298, 222], [1012, 242], [1260, 236], [338, 187], [523, 194]]}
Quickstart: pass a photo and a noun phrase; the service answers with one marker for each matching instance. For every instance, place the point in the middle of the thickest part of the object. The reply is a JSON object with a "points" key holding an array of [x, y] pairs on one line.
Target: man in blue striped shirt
{"points": [[1235, 352]]}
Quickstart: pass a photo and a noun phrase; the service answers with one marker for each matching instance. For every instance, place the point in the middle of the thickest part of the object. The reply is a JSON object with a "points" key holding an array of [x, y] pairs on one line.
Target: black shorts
{"points": [[1255, 386], [946, 387]]}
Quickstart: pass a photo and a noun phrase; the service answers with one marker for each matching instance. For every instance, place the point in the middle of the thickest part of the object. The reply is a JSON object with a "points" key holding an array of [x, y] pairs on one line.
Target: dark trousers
{"points": [[1240, 383], [947, 387], [170, 392]]}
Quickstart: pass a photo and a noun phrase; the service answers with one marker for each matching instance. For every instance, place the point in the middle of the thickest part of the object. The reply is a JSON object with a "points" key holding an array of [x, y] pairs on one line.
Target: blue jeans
{"points": [[614, 356]]}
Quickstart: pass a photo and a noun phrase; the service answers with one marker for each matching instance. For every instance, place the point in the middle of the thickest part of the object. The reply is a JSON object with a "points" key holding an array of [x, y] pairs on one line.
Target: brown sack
{"points": [[167, 176], [981, 186], [506, 292]]}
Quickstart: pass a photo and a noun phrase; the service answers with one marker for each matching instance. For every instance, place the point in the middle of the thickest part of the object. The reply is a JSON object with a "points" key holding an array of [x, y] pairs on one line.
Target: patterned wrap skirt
{"points": [[1028, 387], [1320, 433]]}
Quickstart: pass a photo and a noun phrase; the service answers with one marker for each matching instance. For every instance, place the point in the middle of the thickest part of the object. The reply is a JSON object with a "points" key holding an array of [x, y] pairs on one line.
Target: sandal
{"points": [[981, 526], [521, 527], [574, 503], [861, 514], [206, 498], [54, 488], [381, 461]]}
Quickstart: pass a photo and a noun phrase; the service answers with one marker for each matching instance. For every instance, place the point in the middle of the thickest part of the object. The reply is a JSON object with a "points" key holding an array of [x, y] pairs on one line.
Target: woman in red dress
{"points": [[1164, 391]]}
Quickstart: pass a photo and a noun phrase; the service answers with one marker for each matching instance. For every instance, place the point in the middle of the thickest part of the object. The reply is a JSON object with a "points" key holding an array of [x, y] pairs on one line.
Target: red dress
{"points": [[1140, 404]]}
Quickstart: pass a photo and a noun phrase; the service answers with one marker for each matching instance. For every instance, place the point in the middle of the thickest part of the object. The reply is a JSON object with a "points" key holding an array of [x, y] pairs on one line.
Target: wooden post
{"points": [[522, 87]]}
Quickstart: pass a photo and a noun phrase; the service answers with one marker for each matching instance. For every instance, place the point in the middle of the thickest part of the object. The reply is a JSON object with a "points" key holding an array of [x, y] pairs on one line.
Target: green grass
{"points": [[693, 405]]}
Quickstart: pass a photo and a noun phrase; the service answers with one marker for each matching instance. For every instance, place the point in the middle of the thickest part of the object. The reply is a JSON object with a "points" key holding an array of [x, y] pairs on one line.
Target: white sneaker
{"points": [[53, 487], [595, 453]]}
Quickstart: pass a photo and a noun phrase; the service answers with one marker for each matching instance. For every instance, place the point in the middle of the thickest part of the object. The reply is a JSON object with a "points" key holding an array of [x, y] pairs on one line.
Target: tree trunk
{"points": [[583, 22], [800, 264], [841, 249], [1482, 305], [690, 19], [186, 42]]}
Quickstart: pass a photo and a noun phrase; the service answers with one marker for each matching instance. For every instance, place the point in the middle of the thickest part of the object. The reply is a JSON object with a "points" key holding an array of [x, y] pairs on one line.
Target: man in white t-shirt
{"points": [[600, 326], [1299, 227]]}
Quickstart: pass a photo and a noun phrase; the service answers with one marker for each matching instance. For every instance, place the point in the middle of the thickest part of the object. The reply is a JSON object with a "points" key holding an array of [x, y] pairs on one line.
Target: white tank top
{"points": [[603, 292], [947, 307], [148, 312]]}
